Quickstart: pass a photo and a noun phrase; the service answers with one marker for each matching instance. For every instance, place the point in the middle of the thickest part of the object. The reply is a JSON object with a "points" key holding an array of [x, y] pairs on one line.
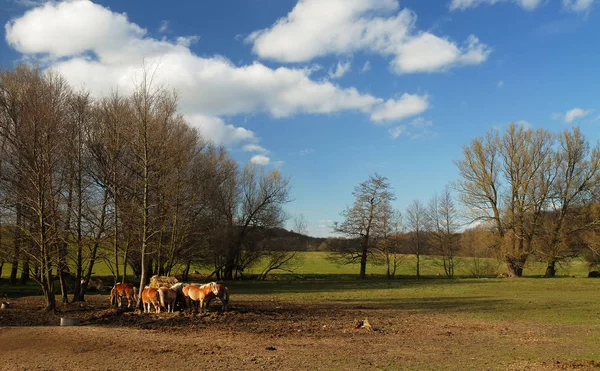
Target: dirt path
{"points": [[281, 336]]}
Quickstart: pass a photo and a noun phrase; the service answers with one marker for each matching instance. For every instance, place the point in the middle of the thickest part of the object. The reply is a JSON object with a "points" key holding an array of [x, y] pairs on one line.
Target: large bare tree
{"points": [[365, 218], [518, 180], [443, 229]]}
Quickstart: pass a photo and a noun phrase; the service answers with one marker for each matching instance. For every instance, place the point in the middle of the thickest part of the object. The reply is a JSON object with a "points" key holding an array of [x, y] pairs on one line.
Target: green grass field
{"points": [[563, 310], [317, 265]]}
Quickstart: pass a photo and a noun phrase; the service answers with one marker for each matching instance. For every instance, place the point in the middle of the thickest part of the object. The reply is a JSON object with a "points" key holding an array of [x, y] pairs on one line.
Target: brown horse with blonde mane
{"points": [[150, 296], [223, 296], [121, 290], [199, 294]]}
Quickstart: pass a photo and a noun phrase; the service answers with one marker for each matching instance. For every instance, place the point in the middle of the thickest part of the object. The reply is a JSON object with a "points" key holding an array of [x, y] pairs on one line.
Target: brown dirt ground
{"points": [[272, 335]]}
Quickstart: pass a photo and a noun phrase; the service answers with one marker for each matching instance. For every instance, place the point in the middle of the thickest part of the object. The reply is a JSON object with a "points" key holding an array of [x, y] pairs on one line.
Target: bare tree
{"points": [[365, 218], [391, 240], [507, 181], [34, 108], [262, 196], [572, 192], [300, 225], [416, 223], [443, 229]]}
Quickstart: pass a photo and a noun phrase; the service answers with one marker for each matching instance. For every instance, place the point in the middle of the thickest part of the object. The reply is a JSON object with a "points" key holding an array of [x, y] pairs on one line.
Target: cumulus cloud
{"points": [[578, 5], [576, 113], [215, 129], [416, 129], [366, 67], [254, 148], [395, 109], [94, 47], [315, 28], [260, 160], [525, 124], [340, 70], [164, 26], [465, 4], [569, 5]]}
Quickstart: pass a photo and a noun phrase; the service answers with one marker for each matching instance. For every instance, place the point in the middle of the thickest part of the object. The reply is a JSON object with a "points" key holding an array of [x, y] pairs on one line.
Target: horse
{"points": [[168, 297], [150, 296], [121, 290], [223, 297], [198, 294], [181, 301]]}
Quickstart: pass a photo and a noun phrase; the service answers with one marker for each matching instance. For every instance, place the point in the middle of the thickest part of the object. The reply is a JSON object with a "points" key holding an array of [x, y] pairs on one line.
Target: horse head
{"points": [[214, 288]]}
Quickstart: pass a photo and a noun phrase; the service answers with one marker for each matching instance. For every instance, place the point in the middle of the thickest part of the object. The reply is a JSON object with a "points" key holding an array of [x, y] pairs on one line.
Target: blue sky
{"points": [[330, 91]]}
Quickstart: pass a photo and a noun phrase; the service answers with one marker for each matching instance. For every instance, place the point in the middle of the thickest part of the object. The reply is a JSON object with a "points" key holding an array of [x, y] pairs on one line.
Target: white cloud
{"points": [[30, 3], [576, 113], [340, 70], [92, 46], [465, 4], [315, 28], [569, 5], [500, 83], [164, 26], [254, 148], [397, 109], [525, 124], [307, 151], [416, 129], [366, 67], [578, 5], [219, 132], [260, 160]]}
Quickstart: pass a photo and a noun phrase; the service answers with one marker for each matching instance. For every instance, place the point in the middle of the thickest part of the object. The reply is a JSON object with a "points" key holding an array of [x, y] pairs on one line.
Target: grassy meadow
{"points": [[318, 265], [553, 319]]}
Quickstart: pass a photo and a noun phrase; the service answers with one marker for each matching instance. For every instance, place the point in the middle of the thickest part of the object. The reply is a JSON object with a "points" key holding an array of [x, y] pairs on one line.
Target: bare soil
{"points": [[271, 335]]}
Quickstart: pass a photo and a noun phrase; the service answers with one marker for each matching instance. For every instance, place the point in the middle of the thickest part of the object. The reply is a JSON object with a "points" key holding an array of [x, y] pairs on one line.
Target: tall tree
{"points": [[416, 223], [35, 106], [443, 229], [365, 219], [261, 199], [519, 181], [573, 191]]}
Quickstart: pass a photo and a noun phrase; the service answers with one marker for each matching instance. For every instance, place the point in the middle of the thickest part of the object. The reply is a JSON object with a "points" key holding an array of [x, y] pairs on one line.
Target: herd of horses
{"points": [[194, 296]]}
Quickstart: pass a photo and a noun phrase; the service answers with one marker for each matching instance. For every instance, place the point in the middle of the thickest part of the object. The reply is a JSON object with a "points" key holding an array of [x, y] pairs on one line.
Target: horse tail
{"points": [[161, 295], [135, 293], [226, 295]]}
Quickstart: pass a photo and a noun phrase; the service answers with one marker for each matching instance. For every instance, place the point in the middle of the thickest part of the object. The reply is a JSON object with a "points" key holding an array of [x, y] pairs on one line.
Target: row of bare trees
{"points": [[535, 190], [123, 179], [373, 229], [532, 193]]}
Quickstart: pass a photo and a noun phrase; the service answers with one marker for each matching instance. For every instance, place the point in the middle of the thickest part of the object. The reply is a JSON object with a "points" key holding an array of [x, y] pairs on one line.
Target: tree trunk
{"points": [[363, 261], [125, 262], [13, 272], [25, 272], [515, 266], [230, 262], [551, 269], [186, 271], [17, 249]]}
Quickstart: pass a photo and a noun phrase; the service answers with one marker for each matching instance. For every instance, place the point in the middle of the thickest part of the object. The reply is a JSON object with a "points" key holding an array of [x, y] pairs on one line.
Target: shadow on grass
{"points": [[450, 304], [339, 285]]}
